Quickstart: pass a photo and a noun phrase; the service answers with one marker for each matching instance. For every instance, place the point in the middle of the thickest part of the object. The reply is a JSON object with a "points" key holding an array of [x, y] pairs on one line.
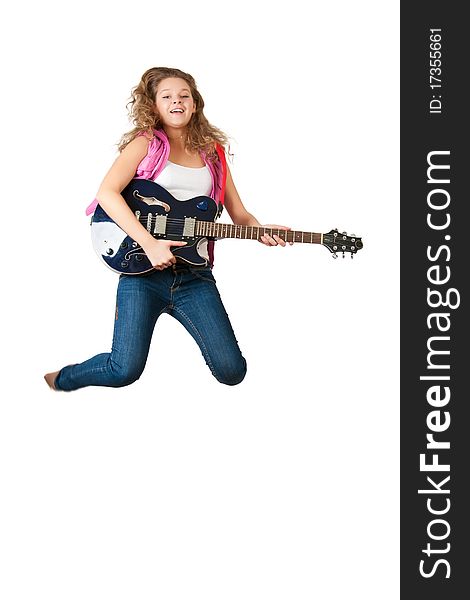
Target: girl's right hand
{"points": [[159, 253]]}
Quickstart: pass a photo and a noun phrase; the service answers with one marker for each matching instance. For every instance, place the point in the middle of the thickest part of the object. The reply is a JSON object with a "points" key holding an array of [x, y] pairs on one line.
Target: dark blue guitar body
{"points": [[163, 216]]}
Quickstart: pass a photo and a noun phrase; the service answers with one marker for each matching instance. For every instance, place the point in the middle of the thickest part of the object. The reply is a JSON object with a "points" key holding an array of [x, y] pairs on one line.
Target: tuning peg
{"points": [[344, 233], [334, 255], [343, 254], [352, 254]]}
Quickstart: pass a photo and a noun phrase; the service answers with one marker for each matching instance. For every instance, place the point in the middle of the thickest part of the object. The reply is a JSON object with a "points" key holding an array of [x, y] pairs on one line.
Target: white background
{"points": [[178, 487]]}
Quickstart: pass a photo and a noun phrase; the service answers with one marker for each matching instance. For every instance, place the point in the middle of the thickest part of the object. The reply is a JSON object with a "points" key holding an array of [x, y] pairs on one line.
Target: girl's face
{"points": [[174, 103]]}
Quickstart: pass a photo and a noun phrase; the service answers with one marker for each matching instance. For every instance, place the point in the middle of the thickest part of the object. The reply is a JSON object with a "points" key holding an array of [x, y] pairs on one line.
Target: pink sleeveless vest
{"points": [[155, 160]]}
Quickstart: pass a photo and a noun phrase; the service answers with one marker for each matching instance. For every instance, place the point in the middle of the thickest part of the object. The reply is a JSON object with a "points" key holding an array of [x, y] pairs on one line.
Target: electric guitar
{"points": [[192, 221]]}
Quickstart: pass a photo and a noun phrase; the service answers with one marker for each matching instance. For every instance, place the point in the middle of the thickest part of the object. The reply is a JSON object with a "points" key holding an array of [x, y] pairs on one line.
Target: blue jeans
{"points": [[188, 294]]}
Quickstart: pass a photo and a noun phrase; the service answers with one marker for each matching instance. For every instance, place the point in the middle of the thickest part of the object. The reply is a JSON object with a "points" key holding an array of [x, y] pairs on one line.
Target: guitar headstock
{"points": [[341, 242]]}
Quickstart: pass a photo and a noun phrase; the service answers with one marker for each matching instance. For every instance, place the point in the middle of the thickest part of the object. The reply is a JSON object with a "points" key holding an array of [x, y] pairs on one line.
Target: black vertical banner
{"points": [[435, 357]]}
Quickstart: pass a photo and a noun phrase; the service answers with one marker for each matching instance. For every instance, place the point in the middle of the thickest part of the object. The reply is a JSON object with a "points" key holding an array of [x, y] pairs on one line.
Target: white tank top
{"points": [[185, 183]]}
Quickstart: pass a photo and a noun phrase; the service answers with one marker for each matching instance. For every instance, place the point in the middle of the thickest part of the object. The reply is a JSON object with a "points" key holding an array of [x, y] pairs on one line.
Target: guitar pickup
{"points": [[189, 227], [160, 225]]}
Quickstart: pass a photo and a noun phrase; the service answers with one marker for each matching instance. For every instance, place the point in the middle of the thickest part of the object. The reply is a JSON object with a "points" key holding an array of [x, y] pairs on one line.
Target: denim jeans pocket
{"points": [[205, 274]]}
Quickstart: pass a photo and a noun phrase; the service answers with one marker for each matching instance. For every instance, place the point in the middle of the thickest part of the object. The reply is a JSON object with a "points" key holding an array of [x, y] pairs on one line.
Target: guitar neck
{"points": [[247, 232]]}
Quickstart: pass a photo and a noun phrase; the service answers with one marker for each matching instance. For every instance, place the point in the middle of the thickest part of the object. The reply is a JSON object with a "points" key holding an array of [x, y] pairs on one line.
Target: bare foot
{"points": [[50, 380]]}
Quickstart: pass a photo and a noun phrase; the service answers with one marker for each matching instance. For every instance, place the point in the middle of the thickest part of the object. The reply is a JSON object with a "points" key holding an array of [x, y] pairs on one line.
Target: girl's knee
{"points": [[126, 375], [232, 374]]}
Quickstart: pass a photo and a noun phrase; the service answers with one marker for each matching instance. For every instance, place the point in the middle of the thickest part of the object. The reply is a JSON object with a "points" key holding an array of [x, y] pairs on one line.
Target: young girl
{"points": [[174, 145]]}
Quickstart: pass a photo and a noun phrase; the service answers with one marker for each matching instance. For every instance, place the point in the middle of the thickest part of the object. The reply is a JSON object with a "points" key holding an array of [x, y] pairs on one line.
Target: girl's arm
{"points": [[240, 216], [109, 196], [119, 175]]}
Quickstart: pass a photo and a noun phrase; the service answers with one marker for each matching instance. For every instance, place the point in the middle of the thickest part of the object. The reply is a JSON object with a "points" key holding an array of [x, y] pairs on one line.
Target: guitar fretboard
{"points": [[247, 232]]}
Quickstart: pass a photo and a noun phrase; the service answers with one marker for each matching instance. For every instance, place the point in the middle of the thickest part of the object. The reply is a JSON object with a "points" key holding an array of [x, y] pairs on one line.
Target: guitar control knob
{"points": [[139, 257], [124, 264], [109, 251], [124, 245]]}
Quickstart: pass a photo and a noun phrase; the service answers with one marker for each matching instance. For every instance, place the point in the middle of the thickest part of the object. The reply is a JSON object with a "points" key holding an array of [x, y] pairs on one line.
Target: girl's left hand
{"points": [[274, 240]]}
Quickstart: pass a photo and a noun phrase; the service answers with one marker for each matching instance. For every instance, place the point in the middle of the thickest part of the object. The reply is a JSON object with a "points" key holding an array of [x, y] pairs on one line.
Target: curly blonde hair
{"points": [[201, 135]]}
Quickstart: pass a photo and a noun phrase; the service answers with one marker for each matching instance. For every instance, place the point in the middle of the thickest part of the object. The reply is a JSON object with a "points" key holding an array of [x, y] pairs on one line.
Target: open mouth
{"points": [[177, 110]]}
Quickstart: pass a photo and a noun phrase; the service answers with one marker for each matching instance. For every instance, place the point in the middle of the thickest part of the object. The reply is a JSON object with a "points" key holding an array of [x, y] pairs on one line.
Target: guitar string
{"points": [[290, 236], [219, 224], [173, 220], [145, 219], [173, 227], [177, 222]]}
